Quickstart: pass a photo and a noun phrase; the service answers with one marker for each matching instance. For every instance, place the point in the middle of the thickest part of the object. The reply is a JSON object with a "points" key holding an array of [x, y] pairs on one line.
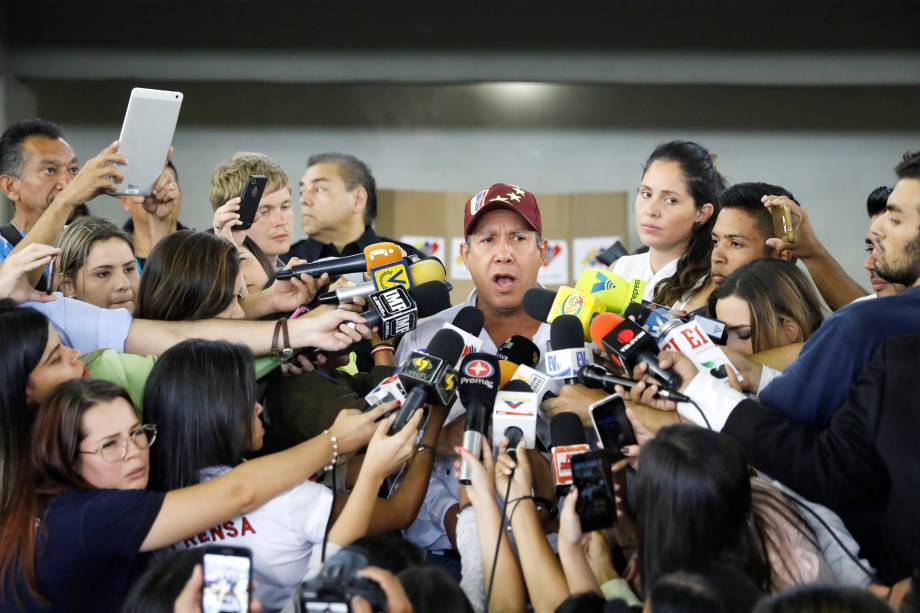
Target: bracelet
{"points": [[335, 451], [285, 353], [382, 347], [423, 447]]}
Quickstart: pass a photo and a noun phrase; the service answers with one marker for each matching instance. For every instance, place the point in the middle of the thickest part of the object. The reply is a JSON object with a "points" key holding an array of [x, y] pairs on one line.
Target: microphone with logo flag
{"points": [[423, 271], [514, 416], [568, 438], [628, 344], [613, 291], [386, 266], [477, 386], [545, 305]]}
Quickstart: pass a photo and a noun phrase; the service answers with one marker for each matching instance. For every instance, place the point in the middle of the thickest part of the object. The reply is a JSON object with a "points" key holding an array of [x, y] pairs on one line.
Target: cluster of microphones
{"points": [[502, 392]]}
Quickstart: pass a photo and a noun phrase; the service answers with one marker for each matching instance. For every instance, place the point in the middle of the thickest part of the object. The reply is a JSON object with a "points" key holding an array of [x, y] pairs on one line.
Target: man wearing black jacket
{"points": [[338, 205]]}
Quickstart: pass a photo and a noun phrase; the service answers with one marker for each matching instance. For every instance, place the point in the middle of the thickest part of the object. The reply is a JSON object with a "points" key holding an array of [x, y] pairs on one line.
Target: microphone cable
{"points": [[498, 544]]}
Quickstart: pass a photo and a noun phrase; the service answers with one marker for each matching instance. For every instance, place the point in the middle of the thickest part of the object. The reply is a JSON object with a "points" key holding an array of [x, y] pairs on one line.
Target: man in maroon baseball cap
{"points": [[504, 250]]}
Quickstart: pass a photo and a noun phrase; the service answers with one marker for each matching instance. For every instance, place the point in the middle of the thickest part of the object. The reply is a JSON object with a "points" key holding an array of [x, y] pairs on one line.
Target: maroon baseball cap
{"points": [[503, 196]]}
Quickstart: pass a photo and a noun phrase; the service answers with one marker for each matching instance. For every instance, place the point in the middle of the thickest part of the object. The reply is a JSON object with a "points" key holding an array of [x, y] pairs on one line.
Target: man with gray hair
{"points": [[338, 205]]}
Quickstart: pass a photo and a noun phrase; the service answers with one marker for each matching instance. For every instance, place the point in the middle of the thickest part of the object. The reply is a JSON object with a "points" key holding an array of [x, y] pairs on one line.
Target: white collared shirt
{"points": [[428, 531]]}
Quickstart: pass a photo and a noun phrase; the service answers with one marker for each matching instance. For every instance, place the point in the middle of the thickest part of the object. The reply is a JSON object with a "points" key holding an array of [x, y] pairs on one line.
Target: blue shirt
{"points": [[88, 549], [816, 384], [5, 248]]}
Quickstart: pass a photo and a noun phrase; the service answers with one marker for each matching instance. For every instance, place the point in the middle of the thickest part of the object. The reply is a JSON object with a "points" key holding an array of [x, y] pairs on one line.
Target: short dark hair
{"points": [[909, 166], [747, 196], [354, 172], [822, 599], [157, 589], [431, 588], [878, 200], [11, 157]]}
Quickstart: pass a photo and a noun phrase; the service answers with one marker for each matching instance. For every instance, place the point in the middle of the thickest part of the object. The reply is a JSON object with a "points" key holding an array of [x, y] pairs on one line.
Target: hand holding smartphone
{"points": [[227, 579], [612, 426], [595, 506], [250, 197], [782, 223]]}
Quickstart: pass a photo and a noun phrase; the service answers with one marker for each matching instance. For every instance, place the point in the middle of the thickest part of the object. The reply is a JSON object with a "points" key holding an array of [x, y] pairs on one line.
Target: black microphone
{"points": [[432, 298], [626, 341], [519, 350], [478, 378], [568, 353], [333, 266], [429, 376], [468, 323], [568, 439], [538, 302], [393, 311], [595, 376]]}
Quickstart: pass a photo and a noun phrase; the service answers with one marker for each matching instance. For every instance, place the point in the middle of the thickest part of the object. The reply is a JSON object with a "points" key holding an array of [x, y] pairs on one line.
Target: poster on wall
{"points": [[456, 267], [555, 269], [431, 246], [585, 250]]}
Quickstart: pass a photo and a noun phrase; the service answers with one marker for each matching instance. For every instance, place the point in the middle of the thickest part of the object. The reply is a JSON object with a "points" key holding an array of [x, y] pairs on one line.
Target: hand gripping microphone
{"points": [[568, 353], [568, 438], [514, 416], [429, 376], [595, 376], [545, 305], [613, 291], [519, 350], [478, 380], [626, 341], [468, 323], [423, 271]]}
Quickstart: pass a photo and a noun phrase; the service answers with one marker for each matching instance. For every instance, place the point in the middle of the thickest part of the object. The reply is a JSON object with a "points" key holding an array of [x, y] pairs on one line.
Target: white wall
{"points": [[830, 172]]}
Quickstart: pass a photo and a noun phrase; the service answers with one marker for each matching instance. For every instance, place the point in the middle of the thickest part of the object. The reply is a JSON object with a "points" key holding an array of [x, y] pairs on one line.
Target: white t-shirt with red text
{"points": [[281, 535]]}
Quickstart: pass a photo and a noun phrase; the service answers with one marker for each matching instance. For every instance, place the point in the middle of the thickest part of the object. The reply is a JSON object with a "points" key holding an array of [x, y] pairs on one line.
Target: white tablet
{"points": [[146, 135]]}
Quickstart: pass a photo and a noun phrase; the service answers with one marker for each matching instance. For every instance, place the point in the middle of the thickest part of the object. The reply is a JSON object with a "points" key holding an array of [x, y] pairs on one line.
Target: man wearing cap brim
{"points": [[503, 251]]}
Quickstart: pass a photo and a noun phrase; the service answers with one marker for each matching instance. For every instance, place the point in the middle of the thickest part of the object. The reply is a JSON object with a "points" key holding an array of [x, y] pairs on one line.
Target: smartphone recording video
{"points": [[227, 577], [596, 506], [612, 426]]}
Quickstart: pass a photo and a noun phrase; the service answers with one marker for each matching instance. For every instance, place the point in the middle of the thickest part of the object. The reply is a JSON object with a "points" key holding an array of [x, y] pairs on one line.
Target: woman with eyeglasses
{"points": [[76, 517]]}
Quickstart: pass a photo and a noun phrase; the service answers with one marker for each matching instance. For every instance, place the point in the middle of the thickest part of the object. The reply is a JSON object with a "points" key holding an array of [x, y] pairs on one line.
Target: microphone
{"points": [[386, 266], [595, 376], [544, 305], [333, 266], [429, 375], [568, 353], [519, 350], [514, 416], [477, 388], [387, 390], [393, 311], [423, 271], [507, 370], [625, 340], [568, 437], [468, 323], [657, 318], [613, 291]]}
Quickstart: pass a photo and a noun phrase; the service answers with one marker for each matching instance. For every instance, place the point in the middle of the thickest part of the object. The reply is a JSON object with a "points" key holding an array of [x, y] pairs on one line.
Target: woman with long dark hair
{"points": [[697, 505], [675, 210], [202, 396], [89, 457]]}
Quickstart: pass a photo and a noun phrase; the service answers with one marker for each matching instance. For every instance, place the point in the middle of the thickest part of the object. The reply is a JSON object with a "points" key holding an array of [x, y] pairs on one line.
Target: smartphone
{"points": [[249, 200], [612, 426], [596, 506], [227, 579], [49, 280], [782, 223]]}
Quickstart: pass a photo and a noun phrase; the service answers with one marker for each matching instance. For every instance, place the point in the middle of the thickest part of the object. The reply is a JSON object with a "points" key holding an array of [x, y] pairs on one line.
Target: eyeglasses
{"points": [[115, 450]]}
